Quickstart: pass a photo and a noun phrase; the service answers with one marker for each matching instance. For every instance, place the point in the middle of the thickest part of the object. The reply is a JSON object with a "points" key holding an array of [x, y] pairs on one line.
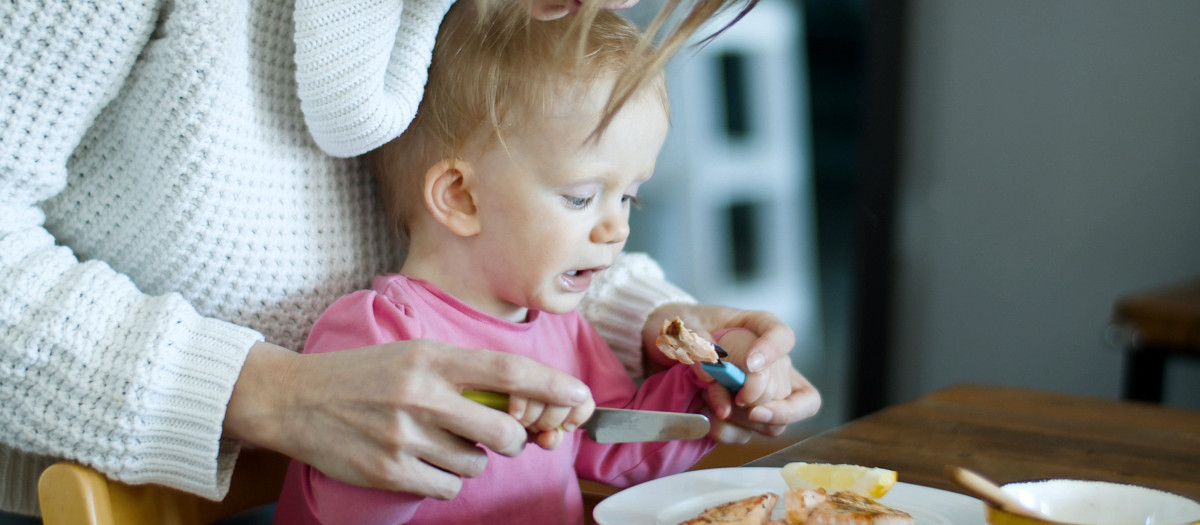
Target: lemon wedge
{"points": [[867, 481]]}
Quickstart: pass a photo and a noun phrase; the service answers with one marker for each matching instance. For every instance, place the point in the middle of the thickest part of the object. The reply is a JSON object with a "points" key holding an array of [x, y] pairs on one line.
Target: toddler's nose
{"points": [[611, 230]]}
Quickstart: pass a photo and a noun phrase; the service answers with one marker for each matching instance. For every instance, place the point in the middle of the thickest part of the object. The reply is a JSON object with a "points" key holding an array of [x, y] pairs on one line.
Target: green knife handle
{"points": [[494, 400]]}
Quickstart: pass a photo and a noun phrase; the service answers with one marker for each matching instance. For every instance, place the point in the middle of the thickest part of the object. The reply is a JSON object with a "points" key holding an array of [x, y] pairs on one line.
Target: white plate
{"points": [[670, 500]]}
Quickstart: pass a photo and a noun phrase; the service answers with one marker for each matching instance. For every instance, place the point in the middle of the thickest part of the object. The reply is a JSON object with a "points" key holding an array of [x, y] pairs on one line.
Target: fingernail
{"points": [[580, 394], [756, 362], [761, 414], [569, 427], [513, 450]]}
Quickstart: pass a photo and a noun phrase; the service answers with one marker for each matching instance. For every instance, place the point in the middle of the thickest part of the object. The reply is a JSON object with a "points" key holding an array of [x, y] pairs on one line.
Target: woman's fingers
{"points": [[545, 393], [774, 338], [476, 423], [433, 469], [803, 403], [514, 375]]}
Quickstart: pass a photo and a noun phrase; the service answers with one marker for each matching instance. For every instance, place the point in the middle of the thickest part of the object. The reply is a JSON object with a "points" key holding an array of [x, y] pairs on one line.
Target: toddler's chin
{"points": [[559, 307]]}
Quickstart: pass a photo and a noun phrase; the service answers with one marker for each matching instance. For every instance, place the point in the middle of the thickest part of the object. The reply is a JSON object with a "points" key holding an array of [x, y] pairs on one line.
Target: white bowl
{"points": [[1101, 503]]}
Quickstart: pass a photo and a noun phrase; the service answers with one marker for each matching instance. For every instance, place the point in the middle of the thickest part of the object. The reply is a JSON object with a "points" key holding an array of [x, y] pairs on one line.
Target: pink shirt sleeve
{"points": [[676, 389]]}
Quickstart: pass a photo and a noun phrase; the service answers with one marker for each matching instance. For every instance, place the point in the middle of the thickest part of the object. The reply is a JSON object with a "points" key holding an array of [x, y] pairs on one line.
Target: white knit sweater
{"points": [[163, 207]]}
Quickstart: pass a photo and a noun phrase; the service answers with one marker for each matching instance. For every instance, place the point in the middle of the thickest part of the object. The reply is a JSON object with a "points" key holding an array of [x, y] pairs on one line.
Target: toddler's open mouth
{"points": [[579, 280]]}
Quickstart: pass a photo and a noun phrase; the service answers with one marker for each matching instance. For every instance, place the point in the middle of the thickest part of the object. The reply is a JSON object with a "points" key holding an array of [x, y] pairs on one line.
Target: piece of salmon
{"points": [[755, 510], [814, 507], [683, 345]]}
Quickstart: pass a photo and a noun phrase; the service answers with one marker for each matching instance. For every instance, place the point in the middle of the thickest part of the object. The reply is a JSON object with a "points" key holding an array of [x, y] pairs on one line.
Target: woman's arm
{"points": [[136, 384], [361, 67]]}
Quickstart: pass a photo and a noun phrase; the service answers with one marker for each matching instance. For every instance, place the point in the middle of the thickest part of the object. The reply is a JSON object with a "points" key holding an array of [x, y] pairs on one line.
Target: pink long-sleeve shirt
{"points": [[538, 486]]}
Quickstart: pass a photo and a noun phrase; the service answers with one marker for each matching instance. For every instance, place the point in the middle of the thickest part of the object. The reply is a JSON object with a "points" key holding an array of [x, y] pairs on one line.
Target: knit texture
{"points": [[621, 299], [361, 68], [163, 208]]}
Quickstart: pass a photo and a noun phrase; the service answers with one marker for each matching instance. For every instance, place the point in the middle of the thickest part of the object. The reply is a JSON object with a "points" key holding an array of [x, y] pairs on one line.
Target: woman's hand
{"points": [[392, 416], [769, 384], [770, 418], [768, 351]]}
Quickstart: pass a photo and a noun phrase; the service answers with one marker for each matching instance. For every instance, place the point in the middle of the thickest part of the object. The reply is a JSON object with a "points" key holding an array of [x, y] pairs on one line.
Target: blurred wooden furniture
{"points": [[72, 494], [1152, 326], [1013, 434]]}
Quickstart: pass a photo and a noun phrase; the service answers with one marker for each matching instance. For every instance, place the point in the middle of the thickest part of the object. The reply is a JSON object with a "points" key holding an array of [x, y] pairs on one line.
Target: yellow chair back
{"points": [[72, 494]]}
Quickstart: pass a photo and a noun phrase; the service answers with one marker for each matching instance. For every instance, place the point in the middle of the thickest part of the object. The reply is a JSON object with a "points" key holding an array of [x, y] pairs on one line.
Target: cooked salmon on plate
{"points": [[804, 507]]}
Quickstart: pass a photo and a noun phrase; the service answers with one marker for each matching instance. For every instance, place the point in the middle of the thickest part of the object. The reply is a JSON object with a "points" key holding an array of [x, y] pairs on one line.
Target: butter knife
{"points": [[617, 425]]}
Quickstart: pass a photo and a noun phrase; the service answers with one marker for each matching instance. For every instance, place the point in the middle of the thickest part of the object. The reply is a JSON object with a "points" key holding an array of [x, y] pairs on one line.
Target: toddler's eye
{"points": [[577, 202], [631, 200]]}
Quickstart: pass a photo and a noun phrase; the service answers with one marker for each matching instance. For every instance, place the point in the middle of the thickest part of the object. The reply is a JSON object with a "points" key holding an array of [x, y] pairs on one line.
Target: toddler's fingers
{"points": [[517, 406], [578, 416], [720, 400], [532, 412], [551, 418], [550, 439]]}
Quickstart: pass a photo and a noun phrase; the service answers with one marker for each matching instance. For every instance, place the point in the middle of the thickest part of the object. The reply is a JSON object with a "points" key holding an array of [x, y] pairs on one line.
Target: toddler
{"points": [[511, 196]]}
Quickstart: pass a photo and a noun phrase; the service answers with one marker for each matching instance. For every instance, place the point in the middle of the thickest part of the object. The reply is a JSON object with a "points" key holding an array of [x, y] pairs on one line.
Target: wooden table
{"points": [[1012, 434]]}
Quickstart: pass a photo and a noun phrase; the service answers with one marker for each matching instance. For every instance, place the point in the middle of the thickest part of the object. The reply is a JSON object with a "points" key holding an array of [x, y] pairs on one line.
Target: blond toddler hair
{"points": [[491, 72]]}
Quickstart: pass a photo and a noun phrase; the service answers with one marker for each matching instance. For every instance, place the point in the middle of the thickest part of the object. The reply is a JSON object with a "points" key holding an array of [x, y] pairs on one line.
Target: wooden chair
{"points": [[72, 494], [1151, 326]]}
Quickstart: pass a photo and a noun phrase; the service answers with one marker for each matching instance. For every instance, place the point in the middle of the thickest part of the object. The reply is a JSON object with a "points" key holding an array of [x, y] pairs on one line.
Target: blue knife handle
{"points": [[729, 375]]}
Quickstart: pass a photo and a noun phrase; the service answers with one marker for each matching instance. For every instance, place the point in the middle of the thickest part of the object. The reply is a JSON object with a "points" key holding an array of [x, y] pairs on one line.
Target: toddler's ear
{"points": [[449, 187]]}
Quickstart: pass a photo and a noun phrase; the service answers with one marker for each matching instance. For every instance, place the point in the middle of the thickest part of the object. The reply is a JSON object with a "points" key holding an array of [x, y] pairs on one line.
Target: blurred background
{"points": [[932, 192]]}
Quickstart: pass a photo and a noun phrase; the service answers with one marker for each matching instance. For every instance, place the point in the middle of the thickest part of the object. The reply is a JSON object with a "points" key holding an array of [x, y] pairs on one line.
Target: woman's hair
{"points": [[488, 73]]}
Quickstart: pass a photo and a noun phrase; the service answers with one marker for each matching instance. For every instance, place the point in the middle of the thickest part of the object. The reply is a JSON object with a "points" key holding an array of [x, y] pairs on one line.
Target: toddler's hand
{"points": [[773, 340], [768, 384], [777, 385], [546, 423]]}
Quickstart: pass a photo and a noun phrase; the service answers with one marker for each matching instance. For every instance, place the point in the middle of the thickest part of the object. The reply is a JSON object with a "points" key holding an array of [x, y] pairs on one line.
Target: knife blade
{"points": [[618, 425]]}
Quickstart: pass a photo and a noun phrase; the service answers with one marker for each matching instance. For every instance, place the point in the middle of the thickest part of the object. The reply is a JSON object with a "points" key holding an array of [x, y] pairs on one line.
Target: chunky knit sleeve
{"points": [[91, 369], [619, 302], [361, 67]]}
